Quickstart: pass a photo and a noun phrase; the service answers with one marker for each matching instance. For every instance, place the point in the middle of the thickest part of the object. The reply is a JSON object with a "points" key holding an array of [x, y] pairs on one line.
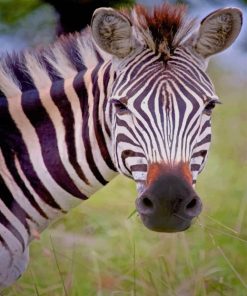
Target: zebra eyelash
{"points": [[120, 106], [210, 106]]}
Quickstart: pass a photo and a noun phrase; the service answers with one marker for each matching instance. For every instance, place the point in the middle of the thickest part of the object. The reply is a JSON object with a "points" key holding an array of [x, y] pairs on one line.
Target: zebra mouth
{"points": [[168, 204], [172, 223], [164, 220]]}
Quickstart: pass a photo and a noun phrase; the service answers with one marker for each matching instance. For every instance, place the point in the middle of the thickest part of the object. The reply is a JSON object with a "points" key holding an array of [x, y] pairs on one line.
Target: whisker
{"points": [[181, 217]]}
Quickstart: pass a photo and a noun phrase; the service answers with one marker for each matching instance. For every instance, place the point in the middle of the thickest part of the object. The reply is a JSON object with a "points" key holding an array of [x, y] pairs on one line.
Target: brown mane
{"points": [[167, 25]]}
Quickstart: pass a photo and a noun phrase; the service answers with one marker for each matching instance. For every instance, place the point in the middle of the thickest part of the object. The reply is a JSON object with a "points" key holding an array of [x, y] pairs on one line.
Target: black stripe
{"points": [[11, 138], [139, 168], [70, 45], [151, 75], [45, 130], [9, 201], [152, 103], [81, 91], [205, 140], [130, 153], [201, 153], [17, 65], [123, 138], [106, 79], [195, 167], [96, 121], [145, 118], [5, 245], [205, 125], [8, 155], [60, 99], [196, 107]]}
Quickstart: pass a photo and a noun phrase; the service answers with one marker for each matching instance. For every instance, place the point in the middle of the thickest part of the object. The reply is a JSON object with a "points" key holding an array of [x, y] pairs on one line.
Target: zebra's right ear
{"points": [[112, 32]]}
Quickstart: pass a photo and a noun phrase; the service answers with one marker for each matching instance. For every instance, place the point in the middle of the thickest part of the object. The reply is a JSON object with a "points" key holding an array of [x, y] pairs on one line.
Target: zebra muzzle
{"points": [[169, 202]]}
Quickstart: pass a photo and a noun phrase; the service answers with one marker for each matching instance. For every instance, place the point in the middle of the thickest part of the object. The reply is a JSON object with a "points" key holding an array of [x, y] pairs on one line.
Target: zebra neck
{"points": [[57, 145]]}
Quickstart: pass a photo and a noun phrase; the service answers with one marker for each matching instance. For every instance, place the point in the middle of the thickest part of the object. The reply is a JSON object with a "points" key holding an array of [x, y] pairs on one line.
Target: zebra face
{"points": [[161, 129], [161, 104]]}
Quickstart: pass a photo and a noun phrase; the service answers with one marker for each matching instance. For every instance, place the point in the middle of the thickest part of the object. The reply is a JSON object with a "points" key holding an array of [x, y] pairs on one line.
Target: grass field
{"points": [[97, 251]]}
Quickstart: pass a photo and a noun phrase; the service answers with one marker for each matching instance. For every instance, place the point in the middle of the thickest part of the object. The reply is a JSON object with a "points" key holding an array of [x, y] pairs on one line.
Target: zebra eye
{"points": [[120, 107], [209, 107]]}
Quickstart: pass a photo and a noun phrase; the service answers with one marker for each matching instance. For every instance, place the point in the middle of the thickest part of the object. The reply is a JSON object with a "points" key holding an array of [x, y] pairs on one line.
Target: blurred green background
{"points": [[97, 250]]}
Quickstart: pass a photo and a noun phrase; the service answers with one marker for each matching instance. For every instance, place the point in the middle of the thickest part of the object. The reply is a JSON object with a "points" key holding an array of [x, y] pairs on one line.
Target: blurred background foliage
{"points": [[13, 10], [97, 250]]}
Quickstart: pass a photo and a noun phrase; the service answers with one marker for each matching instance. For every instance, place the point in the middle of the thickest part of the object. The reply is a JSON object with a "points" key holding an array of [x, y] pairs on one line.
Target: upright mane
{"points": [[162, 27]]}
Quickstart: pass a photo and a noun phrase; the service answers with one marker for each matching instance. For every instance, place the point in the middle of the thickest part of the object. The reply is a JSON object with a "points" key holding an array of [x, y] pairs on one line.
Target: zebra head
{"points": [[161, 102]]}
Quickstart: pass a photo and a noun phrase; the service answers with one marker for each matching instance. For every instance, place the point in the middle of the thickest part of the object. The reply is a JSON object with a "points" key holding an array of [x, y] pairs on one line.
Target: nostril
{"points": [[194, 207], [191, 204], [145, 205], [147, 202]]}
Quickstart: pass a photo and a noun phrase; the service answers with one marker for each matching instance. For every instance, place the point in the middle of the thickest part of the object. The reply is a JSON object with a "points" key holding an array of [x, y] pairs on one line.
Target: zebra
{"points": [[129, 95]]}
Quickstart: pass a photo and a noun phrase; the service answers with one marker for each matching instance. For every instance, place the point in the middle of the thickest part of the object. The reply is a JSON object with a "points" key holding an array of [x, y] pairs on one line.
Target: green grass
{"points": [[97, 250]]}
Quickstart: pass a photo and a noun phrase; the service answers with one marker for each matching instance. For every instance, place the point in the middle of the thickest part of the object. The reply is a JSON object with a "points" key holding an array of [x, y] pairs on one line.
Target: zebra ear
{"points": [[112, 32], [218, 31]]}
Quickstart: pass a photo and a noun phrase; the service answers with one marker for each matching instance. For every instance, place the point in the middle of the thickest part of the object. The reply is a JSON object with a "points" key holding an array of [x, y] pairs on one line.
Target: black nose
{"points": [[169, 204]]}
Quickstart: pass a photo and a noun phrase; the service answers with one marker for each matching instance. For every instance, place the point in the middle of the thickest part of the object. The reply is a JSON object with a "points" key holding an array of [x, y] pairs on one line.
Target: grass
{"points": [[97, 250]]}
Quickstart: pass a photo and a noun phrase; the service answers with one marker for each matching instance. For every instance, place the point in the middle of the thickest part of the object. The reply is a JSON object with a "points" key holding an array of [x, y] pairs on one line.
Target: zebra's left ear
{"points": [[112, 32], [218, 31]]}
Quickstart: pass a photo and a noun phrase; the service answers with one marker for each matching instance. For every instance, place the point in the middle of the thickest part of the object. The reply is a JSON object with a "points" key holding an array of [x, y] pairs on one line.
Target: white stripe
{"points": [[100, 162], [80, 149], [48, 210]]}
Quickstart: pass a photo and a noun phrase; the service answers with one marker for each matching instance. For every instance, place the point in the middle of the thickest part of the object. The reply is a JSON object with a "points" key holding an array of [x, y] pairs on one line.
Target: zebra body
{"points": [[75, 114]]}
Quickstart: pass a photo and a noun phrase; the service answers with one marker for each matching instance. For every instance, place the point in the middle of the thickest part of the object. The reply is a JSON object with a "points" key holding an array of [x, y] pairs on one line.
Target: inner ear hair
{"points": [[112, 32], [218, 31]]}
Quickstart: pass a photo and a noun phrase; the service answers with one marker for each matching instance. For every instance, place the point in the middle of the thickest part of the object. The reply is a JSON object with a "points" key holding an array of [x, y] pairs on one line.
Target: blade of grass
{"points": [[134, 266], [241, 213], [34, 283], [221, 232], [221, 224], [58, 268], [132, 213], [153, 283], [237, 274]]}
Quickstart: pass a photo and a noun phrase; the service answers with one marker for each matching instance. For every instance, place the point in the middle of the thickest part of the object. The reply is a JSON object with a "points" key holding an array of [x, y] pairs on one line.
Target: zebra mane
{"points": [[63, 59], [162, 28]]}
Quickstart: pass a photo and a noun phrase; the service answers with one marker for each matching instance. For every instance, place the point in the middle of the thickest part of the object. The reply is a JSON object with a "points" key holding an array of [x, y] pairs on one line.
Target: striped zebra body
{"points": [[76, 113], [55, 145]]}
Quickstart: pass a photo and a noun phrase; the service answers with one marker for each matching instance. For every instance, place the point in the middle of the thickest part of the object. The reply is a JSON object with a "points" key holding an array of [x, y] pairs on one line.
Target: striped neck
{"points": [[58, 140]]}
